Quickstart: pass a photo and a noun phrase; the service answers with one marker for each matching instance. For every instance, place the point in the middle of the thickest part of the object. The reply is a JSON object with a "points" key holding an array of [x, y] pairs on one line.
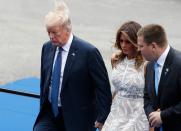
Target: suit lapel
{"points": [[50, 59], [70, 60], [152, 80], [166, 70]]}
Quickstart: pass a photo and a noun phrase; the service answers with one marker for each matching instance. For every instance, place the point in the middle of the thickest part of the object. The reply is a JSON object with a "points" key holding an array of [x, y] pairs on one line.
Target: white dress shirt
{"points": [[65, 52], [161, 61]]}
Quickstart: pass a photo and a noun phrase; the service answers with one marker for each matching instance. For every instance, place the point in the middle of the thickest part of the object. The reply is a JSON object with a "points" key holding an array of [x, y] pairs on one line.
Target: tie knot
{"points": [[60, 49], [156, 65]]}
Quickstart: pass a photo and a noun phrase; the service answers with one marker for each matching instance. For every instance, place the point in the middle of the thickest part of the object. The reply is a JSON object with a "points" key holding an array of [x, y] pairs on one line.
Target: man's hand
{"points": [[155, 119], [98, 125]]}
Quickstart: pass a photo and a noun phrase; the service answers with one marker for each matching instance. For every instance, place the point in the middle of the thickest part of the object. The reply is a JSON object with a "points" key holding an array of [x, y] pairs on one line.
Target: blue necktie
{"points": [[156, 66], [56, 82], [161, 129]]}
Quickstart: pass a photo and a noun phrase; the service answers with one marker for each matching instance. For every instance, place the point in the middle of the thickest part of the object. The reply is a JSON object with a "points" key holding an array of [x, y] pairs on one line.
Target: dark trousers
{"points": [[48, 122]]}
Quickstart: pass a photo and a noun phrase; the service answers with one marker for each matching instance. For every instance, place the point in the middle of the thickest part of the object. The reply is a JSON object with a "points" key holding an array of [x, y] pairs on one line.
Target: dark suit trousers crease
{"points": [[48, 122]]}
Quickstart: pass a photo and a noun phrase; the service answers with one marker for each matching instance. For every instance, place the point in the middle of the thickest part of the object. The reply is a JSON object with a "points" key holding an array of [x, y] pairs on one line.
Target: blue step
{"points": [[18, 113]]}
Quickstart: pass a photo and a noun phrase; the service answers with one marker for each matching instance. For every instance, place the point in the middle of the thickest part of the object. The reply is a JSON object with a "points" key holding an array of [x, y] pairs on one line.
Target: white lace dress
{"points": [[127, 113]]}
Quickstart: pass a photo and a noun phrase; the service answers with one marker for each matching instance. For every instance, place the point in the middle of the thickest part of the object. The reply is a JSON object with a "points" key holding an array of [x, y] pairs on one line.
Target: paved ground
{"points": [[22, 31]]}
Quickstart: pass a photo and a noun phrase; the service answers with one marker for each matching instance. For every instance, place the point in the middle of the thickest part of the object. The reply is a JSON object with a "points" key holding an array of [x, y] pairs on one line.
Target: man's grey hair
{"points": [[60, 15]]}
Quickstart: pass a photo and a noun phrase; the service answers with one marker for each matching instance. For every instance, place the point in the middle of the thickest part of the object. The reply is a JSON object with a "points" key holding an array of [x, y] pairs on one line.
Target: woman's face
{"points": [[127, 47]]}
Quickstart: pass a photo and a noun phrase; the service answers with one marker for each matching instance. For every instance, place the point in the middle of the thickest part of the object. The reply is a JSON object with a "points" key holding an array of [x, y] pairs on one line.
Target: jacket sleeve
{"points": [[100, 79], [41, 76], [148, 102], [174, 112]]}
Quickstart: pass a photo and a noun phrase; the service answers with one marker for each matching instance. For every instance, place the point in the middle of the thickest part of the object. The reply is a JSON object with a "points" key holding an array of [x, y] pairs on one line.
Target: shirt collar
{"points": [[161, 59], [66, 47]]}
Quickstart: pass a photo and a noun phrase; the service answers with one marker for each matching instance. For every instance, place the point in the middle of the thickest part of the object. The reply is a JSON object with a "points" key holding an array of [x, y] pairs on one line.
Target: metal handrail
{"points": [[19, 93]]}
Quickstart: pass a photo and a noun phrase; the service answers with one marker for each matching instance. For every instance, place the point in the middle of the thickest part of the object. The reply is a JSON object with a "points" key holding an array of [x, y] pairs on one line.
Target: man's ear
{"points": [[154, 45]]}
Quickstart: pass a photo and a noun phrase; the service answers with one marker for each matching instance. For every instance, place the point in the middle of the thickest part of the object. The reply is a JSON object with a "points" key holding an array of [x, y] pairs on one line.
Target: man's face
{"points": [[57, 35], [147, 51]]}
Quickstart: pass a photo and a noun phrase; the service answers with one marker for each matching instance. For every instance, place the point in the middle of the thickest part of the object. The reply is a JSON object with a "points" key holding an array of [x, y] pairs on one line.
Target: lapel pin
{"points": [[73, 54], [166, 70]]}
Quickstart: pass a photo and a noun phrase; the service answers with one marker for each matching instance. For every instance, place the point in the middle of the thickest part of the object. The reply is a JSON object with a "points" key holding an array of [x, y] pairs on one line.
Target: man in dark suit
{"points": [[83, 98], [162, 95]]}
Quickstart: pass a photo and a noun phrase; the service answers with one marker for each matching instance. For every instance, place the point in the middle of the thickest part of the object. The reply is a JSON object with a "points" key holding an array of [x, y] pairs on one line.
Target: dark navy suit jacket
{"points": [[169, 92], [85, 93]]}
